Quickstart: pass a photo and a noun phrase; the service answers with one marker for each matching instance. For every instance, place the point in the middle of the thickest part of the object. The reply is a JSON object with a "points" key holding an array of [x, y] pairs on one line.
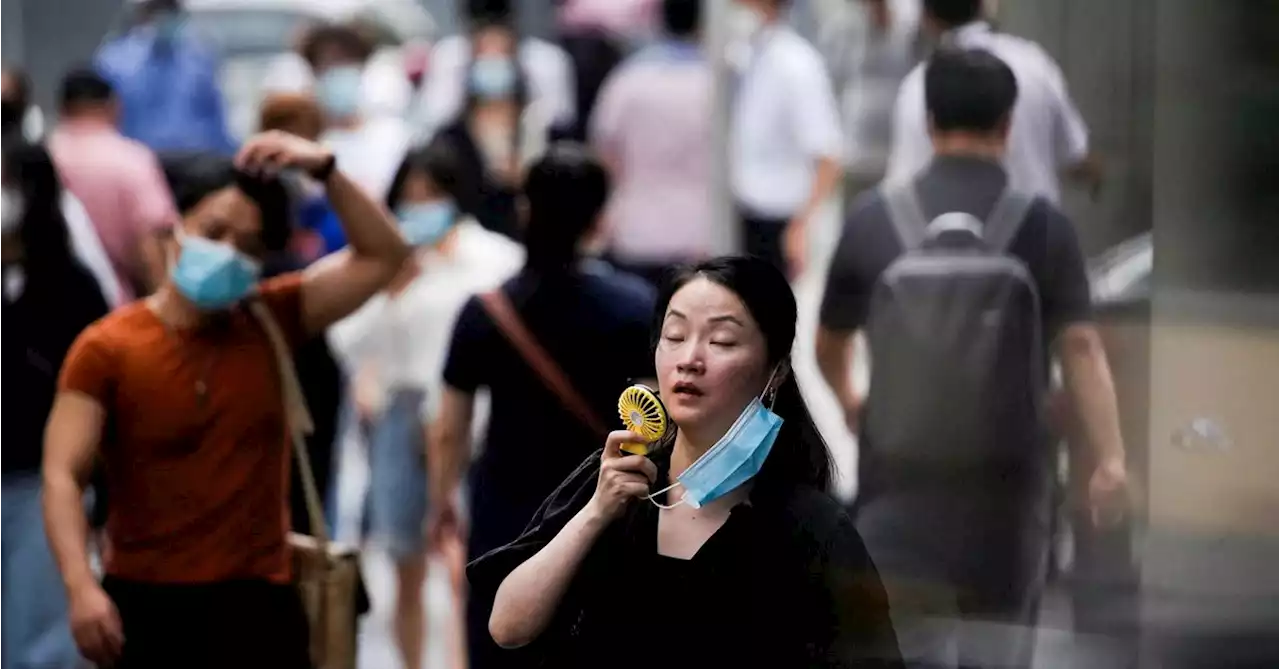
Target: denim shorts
{"points": [[397, 502], [37, 632]]}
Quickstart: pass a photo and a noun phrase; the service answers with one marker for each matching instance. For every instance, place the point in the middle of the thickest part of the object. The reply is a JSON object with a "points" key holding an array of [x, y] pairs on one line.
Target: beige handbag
{"points": [[327, 574]]}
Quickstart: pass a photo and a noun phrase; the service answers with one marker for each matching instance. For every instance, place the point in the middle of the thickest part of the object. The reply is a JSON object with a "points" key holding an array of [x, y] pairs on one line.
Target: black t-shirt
{"points": [[594, 322], [1046, 242], [785, 582]]}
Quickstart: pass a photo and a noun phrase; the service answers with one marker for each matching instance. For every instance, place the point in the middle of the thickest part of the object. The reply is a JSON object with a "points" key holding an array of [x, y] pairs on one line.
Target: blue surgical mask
{"points": [[493, 77], [425, 223], [732, 461], [213, 275], [338, 91]]}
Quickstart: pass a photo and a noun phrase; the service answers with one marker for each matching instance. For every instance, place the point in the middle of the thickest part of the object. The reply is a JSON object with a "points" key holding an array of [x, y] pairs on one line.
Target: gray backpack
{"points": [[954, 334]]}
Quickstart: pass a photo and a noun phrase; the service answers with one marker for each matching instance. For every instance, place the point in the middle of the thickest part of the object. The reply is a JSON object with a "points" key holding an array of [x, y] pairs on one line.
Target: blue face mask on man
{"points": [[735, 459], [213, 275], [425, 223], [493, 77], [338, 91]]}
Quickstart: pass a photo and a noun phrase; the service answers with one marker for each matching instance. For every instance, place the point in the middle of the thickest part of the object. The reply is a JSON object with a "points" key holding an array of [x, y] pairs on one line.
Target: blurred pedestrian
{"points": [[585, 321], [497, 133], [652, 127], [548, 70], [732, 515], [117, 179], [85, 243], [597, 35], [368, 148], [197, 454], [785, 141], [16, 107], [167, 82], [49, 298], [394, 348], [964, 287], [1048, 133]]}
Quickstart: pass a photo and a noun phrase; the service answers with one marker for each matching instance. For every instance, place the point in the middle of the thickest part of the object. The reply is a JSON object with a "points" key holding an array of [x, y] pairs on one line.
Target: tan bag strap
{"points": [[299, 421], [504, 315]]}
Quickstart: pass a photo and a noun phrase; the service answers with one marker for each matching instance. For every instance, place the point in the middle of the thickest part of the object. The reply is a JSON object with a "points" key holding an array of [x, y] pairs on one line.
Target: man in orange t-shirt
{"points": [[180, 398]]}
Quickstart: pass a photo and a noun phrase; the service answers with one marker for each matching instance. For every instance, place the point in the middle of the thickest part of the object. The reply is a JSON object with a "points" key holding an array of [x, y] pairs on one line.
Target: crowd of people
{"points": [[466, 289]]}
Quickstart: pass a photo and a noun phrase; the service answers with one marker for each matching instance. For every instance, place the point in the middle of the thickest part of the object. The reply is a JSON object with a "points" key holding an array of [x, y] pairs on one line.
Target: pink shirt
{"points": [[652, 125], [624, 18], [121, 185]]}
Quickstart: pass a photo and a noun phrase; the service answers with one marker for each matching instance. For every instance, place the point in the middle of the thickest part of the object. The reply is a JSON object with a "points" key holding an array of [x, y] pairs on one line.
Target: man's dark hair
{"points": [[21, 86], [566, 189], [345, 38], [83, 86], [681, 18], [968, 90], [440, 161], [953, 13], [483, 13], [194, 176]]}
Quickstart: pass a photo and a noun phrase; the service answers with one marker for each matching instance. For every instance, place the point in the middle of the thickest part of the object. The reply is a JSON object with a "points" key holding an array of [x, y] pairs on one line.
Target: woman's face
{"points": [[711, 359], [420, 189]]}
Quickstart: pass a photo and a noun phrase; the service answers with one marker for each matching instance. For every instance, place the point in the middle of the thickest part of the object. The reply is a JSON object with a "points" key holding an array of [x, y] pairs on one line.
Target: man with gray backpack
{"points": [[964, 288]]}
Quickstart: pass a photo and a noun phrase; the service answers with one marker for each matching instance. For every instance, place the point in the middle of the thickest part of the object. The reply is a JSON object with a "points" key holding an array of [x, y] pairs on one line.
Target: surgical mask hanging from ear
{"points": [[735, 459]]}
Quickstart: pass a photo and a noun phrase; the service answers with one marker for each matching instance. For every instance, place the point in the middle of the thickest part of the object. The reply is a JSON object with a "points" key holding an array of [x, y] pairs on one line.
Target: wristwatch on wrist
{"points": [[325, 170]]}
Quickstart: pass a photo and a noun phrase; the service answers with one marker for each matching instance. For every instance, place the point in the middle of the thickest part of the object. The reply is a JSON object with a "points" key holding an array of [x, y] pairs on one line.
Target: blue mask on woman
{"points": [[493, 77], [732, 461], [213, 275], [338, 91], [425, 223]]}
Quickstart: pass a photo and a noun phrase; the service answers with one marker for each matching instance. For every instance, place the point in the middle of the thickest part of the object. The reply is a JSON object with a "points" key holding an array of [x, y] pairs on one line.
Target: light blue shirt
{"points": [[169, 93]]}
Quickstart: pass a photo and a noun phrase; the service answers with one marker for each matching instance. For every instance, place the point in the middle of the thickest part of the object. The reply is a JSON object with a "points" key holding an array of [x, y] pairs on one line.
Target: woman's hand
{"points": [[622, 477]]}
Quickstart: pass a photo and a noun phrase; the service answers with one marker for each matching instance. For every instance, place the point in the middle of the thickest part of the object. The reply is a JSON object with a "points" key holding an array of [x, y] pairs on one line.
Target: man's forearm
{"points": [[369, 229], [445, 460], [834, 352], [67, 528], [826, 178], [1087, 377]]}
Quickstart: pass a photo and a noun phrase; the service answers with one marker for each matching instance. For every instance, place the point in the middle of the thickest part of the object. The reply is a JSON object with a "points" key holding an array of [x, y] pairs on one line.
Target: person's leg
{"points": [[762, 237], [398, 494], [36, 632]]}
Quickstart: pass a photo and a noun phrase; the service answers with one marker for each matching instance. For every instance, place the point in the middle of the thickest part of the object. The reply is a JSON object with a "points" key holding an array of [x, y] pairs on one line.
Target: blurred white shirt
{"points": [[371, 152], [1048, 133], [547, 66], [784, 120], [404, 339]]}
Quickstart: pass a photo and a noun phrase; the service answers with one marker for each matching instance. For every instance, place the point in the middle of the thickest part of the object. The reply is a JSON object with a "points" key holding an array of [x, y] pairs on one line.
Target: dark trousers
{"points": [[215, 625], [762, 237], [594, 56]]}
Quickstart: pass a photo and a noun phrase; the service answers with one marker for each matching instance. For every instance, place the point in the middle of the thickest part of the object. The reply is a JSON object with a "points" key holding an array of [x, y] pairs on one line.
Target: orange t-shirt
{"points": [[198, 481]]}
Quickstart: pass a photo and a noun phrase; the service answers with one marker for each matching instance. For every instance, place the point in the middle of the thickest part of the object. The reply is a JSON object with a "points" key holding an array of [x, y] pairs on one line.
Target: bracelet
{"points": [[325, 171]]}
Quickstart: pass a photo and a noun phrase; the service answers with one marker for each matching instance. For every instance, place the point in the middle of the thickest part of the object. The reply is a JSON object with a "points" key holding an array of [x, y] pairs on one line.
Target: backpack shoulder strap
{"points": [[905, 213], [1006, 218]]}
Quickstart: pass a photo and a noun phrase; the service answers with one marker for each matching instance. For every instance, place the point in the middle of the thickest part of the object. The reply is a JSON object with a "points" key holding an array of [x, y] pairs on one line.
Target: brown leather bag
{"points": [[326, 574], [504, 315]]}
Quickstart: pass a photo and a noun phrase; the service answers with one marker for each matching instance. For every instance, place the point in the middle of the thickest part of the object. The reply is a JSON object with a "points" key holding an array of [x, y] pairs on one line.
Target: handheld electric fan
{"points": [[643, 413]]}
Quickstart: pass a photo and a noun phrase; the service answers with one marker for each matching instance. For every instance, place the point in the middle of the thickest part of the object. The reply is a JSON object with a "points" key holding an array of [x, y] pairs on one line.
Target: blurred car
{"points": [[256, 38]]}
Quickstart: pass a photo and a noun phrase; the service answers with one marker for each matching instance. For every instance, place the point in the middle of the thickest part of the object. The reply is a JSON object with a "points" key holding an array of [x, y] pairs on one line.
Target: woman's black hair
{"points": [[800, 456], [194, 176], [566, 189], [439, 160], [46, 242]]}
